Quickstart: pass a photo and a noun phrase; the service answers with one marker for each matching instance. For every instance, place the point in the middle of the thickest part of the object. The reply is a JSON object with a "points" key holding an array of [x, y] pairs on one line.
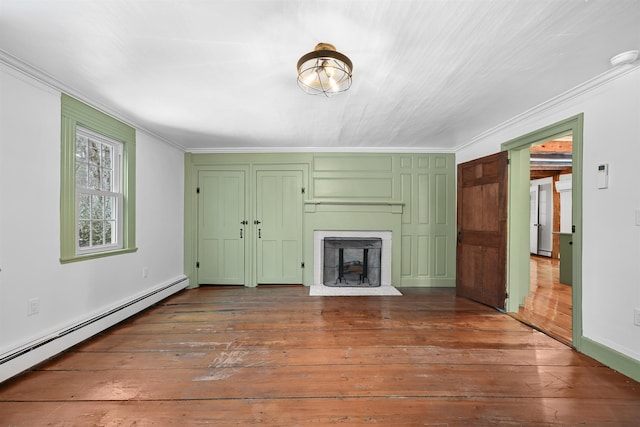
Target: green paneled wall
{"points": [[412, 195], [428, 191]]}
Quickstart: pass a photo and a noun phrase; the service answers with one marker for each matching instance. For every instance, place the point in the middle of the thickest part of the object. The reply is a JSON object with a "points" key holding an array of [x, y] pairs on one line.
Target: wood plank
{"points": [[243, 381], [380, 356], [339, 338], [327, 411]]}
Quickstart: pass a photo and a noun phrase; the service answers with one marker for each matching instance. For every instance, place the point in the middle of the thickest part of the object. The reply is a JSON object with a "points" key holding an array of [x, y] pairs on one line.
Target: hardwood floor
{"points": [[548, 306], [272, 355]]}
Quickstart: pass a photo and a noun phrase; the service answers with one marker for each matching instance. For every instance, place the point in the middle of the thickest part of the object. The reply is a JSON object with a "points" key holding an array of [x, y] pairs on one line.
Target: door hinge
{"points": [[198, 264], [302, 264], [508, 161], [506, 295], [573, 228], [302, 190], [197, 190]]}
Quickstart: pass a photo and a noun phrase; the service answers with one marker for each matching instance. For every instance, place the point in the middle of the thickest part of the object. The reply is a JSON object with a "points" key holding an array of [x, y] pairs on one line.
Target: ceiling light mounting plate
{"points": [[628, 57]]}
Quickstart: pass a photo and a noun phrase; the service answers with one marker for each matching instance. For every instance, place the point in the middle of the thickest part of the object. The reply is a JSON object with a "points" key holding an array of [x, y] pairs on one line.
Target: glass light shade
{"points": [[324, 71]]}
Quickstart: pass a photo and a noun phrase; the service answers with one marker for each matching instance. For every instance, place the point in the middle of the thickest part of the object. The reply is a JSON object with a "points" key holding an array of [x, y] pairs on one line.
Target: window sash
{"points": [[88, 223]]}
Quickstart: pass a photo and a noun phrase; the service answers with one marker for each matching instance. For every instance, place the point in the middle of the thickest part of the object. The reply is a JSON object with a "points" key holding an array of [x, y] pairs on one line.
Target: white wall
{"points": [[30, 222], [611, 239]]}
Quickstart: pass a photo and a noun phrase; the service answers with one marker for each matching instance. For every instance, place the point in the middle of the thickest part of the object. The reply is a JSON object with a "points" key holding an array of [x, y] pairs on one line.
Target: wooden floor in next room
{"points": [[548, 307], [273, 355]]}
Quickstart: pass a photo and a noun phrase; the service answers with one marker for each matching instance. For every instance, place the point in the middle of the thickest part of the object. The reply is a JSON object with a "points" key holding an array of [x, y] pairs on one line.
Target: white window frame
{"points": [[115, 193]]}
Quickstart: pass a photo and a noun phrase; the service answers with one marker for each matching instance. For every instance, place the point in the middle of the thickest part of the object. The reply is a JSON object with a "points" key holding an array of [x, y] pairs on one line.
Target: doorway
{"points": [[520, 267], [541, 216], [548, 306]]}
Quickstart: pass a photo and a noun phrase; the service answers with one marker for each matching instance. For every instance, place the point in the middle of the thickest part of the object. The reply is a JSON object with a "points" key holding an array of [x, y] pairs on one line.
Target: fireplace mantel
{"points": [[311, 206]]}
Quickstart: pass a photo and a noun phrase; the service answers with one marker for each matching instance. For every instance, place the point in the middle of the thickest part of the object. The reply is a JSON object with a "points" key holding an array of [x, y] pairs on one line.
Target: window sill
{"points": [[95, 255]]}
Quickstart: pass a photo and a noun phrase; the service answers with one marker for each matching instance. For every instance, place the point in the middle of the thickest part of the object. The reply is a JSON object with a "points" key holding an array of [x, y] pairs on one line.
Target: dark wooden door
{"points": [[481, 256]]}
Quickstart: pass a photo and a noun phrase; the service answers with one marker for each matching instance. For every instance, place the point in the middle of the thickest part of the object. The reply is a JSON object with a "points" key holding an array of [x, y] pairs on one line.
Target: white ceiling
{"points": [[220, 75]]}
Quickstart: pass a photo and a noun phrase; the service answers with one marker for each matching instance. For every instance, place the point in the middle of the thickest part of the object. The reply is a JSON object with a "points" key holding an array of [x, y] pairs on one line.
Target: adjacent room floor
{"points": [[274, 355], [548, 306]]}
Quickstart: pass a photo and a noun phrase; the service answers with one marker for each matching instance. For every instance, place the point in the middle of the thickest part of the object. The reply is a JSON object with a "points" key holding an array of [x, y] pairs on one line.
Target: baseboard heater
{"points": [[58, 335]]}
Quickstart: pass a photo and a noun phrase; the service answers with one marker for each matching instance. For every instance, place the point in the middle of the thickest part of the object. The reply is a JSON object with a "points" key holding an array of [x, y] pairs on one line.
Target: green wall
{"points": [[412, 195]]}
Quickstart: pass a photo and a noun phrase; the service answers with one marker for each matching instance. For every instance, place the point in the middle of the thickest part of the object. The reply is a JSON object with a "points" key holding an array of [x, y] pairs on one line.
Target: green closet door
{"points": [[220, 229], [279, 232]]}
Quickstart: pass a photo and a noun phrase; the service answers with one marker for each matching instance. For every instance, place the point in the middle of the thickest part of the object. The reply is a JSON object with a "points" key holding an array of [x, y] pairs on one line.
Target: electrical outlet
{"points": [[636, 317], [33, 306]]}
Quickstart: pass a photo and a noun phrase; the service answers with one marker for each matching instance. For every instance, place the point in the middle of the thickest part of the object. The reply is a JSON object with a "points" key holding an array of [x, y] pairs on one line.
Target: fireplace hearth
{"points": [[352, 261]]}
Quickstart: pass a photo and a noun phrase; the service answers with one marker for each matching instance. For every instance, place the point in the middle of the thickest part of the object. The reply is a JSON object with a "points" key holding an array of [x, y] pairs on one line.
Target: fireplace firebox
{"points": [[352, 261]]}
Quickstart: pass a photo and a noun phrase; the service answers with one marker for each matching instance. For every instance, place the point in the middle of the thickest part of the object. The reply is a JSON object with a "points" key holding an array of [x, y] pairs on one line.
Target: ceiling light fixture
{"points": [[324, 71]]}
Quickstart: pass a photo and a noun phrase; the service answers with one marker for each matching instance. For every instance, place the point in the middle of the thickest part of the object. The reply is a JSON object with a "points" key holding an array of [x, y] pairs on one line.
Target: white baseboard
{"points": [[22, 359]]}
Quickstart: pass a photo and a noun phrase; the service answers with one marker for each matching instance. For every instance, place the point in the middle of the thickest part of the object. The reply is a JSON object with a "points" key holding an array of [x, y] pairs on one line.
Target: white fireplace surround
{"points": [[385, 253]]}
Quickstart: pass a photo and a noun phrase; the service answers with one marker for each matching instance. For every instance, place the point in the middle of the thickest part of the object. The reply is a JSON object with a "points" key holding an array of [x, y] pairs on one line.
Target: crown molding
{"points": [[25, 69], [592, 84], [262, 150]]}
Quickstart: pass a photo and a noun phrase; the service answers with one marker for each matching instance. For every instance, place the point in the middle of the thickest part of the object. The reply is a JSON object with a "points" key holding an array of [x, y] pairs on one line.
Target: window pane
{"points": [[81, 174], [84, 201], [83, 234], [106, 179], [81, 148], [107, 153], [94, 153], [109, 204], [96, 233], [94, 177], [97, 207], [109, 237]]}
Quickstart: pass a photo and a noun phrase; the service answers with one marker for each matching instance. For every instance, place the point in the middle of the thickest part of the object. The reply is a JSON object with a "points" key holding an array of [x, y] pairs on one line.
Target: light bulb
{"points": [[329, 70], [310, 79], [333, 84]]}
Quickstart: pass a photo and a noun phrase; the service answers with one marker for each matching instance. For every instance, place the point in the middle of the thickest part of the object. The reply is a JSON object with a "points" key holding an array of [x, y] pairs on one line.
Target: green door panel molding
{"points": [[221, 232], [412, 195], [279, 213]]}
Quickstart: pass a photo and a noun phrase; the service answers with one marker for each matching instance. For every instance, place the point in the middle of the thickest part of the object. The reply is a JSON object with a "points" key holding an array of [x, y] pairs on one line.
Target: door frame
{"points": [[191, 216], [518, 215]]}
